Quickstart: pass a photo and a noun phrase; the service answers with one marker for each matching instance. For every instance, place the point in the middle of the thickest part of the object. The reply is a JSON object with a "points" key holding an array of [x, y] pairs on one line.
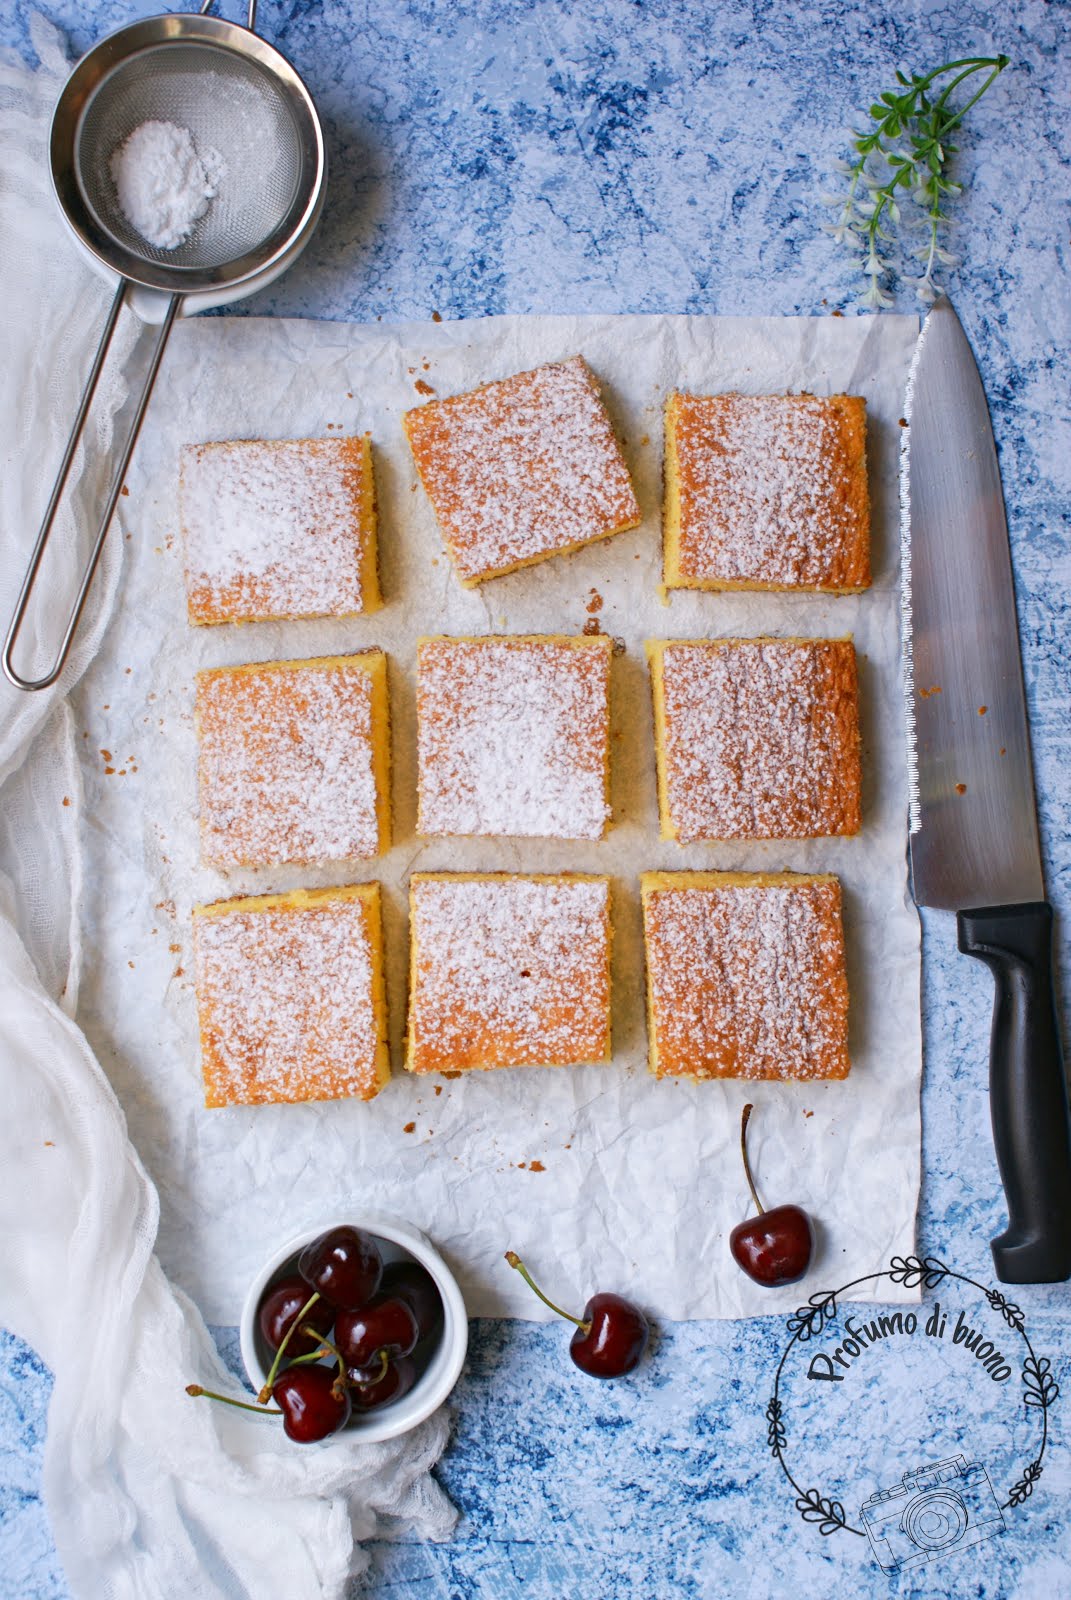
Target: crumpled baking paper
{"points": [[600, 1177]]}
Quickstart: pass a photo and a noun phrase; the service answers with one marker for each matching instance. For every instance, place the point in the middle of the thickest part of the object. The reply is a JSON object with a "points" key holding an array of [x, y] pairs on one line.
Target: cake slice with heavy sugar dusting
{"points": [[514, 736], [508, 971], [756, 738], [278, 529], [766, 492], [291, 997], [522, 468], [745, 975], [294, 762]]}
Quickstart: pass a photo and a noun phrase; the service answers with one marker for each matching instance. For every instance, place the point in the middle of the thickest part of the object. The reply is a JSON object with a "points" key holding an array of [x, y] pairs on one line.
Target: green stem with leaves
{"points": [[917, 168]]}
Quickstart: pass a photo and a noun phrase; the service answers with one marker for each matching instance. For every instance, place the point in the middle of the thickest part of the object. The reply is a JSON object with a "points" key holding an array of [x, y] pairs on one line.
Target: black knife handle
{"points": [[1027, 1090]]}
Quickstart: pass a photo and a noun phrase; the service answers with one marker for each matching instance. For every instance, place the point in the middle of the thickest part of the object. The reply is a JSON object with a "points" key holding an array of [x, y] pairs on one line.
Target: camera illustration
{"points": [[934, 1509]]}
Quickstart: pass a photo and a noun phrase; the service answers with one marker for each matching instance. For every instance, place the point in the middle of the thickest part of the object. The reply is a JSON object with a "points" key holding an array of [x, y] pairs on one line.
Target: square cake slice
{"points": [[279, 529], [294, 761], [756, 738], [291, 997], [766, 492], [514, 736], [521, 469], [508, 971], [745, 975]]}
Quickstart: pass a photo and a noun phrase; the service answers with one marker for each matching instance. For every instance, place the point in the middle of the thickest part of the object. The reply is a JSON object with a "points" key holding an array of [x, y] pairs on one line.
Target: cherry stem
{"points": [[337, 1353], [744, 1120], [197, 1392], [384, 1363], [270, 1379], [518, 1266]]}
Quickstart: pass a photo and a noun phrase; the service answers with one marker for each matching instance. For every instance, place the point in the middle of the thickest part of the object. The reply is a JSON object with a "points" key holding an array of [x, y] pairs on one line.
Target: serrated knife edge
{"points": [[907, 638]]}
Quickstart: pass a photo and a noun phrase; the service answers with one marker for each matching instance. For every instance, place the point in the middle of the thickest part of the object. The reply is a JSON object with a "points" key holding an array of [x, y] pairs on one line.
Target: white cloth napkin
{"points": [[151, 1494]]}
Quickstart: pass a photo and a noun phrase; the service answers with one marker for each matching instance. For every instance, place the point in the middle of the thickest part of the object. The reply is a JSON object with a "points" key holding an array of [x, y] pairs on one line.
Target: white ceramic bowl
{"points": [[398, 1241]]}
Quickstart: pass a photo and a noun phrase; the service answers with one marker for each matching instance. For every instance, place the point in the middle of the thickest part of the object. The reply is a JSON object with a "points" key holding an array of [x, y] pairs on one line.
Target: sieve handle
{"points": [[113, 494], [251, 21]]}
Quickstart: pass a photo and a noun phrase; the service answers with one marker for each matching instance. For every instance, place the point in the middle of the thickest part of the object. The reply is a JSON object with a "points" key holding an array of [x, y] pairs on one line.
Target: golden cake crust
{"points": [[508, 970], [291, 996], [766, 492], [514, 736], [522, 469], [756, 738], [277, 529], [745, 975], [294, 761]]}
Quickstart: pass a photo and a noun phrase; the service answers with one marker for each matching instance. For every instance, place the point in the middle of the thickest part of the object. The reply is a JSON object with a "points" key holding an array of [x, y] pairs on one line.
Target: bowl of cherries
{"points": [[359, 1326]]}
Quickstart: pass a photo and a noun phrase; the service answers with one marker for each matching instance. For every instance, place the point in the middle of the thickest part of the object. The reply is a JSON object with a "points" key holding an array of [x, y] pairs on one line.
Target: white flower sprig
{"points": [[905, 152]]}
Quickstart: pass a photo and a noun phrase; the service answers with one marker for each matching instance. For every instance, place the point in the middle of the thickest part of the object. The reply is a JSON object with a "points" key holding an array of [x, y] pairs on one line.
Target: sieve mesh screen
{"points": [[229, 105]]}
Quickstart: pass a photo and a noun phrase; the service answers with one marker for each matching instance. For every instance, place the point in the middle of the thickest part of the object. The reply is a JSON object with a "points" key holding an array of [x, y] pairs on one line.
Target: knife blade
{"points": [[974, 843]]}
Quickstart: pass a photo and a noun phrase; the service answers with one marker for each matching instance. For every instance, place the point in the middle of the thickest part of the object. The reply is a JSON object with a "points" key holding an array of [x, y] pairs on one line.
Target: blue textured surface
{"points": [[508, 157]]}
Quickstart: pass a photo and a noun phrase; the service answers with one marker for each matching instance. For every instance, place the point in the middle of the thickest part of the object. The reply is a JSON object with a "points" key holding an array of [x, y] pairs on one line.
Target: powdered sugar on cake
{"points": [[768, 493], [513, 737], [761, 739], [748, 981], [286, 771], [286, 1000], [509, 971], [522, 468], [273, 529]]}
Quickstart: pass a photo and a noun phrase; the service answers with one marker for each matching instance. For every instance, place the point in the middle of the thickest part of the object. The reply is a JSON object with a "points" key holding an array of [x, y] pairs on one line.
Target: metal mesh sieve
{"points": [[232, 107], [244, 104]]}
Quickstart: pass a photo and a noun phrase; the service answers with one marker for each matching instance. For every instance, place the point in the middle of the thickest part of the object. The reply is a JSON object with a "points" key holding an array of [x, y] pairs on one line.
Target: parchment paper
{"points": [[601, 1177]]}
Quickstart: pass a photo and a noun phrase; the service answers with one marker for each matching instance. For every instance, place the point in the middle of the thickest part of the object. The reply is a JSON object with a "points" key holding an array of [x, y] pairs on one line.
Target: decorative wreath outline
{"points": [[807, 1322]]}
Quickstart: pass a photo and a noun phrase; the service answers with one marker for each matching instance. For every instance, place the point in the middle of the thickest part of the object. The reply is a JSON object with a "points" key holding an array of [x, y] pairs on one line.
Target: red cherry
{"points": [[279, 1308], [775, 1247], [313, 1402], [370, 1389], [611, 1336], [386, 1325], [344, 1265], [408, 1280]]}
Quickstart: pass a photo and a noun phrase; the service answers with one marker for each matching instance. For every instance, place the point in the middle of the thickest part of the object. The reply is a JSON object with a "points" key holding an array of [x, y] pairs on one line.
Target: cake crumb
{"points": [[536, 1166], [591, 627], [66, 799], [961, 788], [422, 387], [409, 1127], [436, 316], [595, 602]]}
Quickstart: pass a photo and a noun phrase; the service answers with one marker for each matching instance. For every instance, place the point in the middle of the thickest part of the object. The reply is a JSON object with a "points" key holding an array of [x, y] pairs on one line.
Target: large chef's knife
{"points": [[974, 839]]}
